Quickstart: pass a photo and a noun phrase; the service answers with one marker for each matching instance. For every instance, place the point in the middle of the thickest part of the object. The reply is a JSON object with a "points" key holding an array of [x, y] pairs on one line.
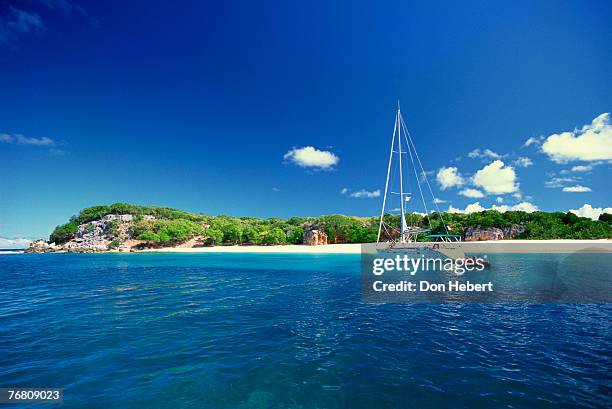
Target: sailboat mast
{"points": [[382, 211], [401, 177]]}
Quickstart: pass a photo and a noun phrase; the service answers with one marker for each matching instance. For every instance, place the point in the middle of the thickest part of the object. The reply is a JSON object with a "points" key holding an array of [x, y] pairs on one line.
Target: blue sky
{"points": [[208, 106]]}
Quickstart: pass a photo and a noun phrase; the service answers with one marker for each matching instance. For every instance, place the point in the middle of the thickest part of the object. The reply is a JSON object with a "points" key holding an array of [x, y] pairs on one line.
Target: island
{"points": [[123, 227]]}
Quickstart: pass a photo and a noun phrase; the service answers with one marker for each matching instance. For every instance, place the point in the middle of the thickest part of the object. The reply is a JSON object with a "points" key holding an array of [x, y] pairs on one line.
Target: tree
{"points": [[148, 236], [274, 236], [605, 217], [64, 233], [232, 233], [570, 218], [214, 236], [295, 236], [249, 235]]}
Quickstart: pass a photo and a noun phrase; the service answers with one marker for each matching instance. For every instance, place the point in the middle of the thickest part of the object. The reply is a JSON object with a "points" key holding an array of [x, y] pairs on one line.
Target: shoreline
{"points": [[493, 246], [285, 248], [501, 246]]}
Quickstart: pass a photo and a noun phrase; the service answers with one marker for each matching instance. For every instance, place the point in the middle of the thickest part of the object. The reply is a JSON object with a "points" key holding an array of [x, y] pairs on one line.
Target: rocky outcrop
{"points": [[41, 246], [100, 235], [109, 233], [314, 237], [514, 231], [482, 234], [493, 233]]}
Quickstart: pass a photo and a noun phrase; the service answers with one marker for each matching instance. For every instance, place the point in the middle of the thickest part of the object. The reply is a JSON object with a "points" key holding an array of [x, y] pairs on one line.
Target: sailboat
{"points": [[404, 238]]}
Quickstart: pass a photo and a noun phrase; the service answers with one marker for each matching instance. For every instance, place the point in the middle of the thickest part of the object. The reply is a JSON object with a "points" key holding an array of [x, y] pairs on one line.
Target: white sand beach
{"points": [[325, 249], [498, 246]]}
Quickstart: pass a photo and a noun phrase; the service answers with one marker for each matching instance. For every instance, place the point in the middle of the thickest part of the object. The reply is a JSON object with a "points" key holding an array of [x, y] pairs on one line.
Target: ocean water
{"points": [[282, 331]]}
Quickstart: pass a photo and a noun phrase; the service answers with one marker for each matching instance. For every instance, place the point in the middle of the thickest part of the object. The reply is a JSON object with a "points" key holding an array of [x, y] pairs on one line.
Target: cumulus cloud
{"points": [[523, 162], [591, 212], [472, 193], [477, 207], [577, 189], [592, 142], [20, 139], [523, 206], [14, 243], [471, 208], [310, 157], [364, 194], [496, 178], [449, 177]]}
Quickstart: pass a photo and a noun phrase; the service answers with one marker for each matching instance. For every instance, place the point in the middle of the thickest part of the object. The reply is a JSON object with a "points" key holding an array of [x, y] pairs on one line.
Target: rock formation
{"points": [[314, 237], [108, 233], [41, 246], [493, 233]]}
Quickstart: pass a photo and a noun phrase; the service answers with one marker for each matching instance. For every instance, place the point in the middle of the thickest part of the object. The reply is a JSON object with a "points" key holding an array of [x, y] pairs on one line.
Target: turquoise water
{"points": [[280, 331]]}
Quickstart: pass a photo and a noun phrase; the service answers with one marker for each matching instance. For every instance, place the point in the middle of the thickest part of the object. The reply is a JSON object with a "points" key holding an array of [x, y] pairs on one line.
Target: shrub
{"points": [[114, 244]]}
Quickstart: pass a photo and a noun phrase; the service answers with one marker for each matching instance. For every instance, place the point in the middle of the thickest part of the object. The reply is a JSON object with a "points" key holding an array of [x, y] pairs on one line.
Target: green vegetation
{"points": [[63, 233], [167, 231], [174, 226], [114, 244]]}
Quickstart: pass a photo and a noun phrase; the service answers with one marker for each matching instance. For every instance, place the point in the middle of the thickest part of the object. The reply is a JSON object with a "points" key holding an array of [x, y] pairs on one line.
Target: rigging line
{"points": [[427, 180], [382, 212], [415, 172]]}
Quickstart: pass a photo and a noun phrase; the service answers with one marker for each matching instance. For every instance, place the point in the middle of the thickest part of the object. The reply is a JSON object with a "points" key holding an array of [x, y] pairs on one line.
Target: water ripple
{"points": [[277, 331]]}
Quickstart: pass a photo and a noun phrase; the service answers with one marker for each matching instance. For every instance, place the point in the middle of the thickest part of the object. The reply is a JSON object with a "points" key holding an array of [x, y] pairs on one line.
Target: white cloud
{"points": [[522, 206], [14, 243], [484, 154], [344, 191], [590, 143], [496, 178], [576, 189], [523, 162], [439, 201], [449, 177], [525, 207], [310, 157], [499, 199], [517, 195], [555, 182], [477, 207], [591, 212], [364, 194], [534, 140], [472, 193], [19, 139], [582, 168], [471, 208]]}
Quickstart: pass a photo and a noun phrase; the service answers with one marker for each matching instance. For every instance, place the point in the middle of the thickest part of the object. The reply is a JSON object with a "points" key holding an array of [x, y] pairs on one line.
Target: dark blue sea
{"points": [[282, 331]]}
